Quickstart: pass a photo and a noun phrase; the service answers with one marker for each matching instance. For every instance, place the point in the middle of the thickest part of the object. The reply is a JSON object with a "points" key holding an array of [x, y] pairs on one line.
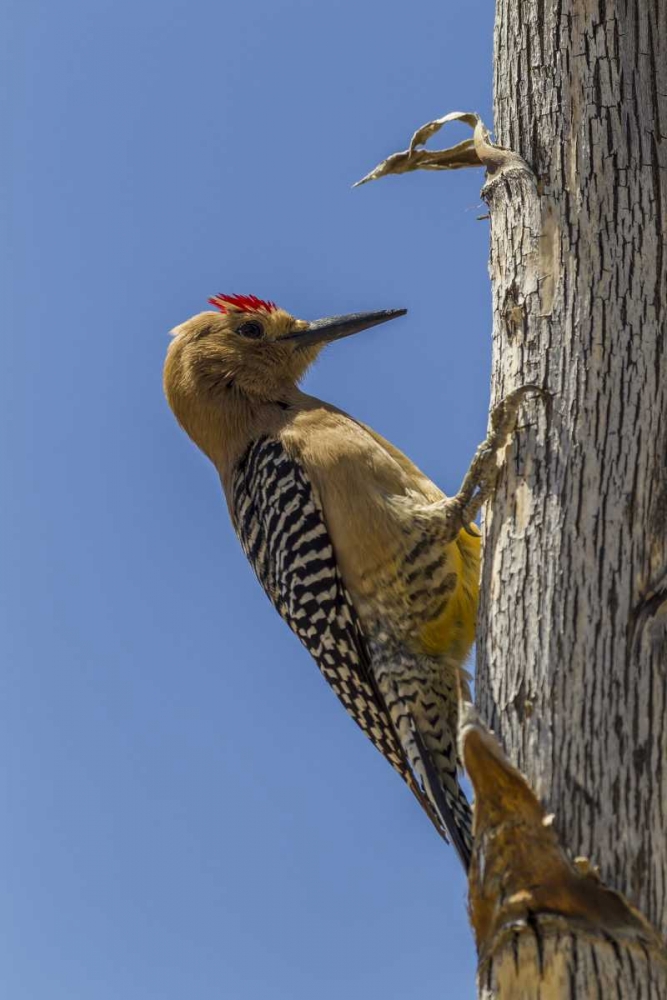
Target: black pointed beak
{"points": [[323, 331]]}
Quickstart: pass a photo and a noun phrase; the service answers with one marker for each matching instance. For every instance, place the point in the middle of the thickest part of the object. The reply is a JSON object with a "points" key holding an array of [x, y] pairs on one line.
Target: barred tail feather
{"points": [[424, 722], [453, 811]]}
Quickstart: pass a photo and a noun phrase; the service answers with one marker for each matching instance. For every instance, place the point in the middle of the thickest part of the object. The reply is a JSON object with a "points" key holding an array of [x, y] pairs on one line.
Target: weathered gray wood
{"points": [[572, 640]]}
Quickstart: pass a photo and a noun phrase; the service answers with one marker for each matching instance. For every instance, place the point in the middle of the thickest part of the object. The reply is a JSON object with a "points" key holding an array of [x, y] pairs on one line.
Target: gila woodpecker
{"points": [[368, 562]]}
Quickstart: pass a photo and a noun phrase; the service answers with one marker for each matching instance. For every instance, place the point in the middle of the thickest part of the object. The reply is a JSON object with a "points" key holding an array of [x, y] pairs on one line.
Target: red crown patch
{"points": [[242, 303]]}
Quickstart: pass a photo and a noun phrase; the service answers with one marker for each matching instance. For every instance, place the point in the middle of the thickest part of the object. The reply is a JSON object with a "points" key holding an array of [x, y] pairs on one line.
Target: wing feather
{"points": [[283, 533]]}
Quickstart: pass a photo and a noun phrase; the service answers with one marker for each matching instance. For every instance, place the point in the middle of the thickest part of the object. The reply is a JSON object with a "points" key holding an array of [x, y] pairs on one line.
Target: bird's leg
{"points": [[481, 477]]}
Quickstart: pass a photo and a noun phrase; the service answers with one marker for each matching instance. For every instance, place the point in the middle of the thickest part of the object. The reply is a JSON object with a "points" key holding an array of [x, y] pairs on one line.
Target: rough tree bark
{"points": [[572, 640]]}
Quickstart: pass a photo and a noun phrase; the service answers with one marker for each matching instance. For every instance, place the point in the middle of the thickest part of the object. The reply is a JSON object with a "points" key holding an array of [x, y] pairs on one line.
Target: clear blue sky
{"points": [[187, 811]]}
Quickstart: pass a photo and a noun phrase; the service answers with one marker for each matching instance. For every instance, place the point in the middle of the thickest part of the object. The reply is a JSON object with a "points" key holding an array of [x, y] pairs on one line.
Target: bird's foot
{"points": [[481, 477]]}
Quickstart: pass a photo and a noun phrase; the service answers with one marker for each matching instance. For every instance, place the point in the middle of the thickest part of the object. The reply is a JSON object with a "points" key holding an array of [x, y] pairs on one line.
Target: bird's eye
{"points": [[251, 329]]}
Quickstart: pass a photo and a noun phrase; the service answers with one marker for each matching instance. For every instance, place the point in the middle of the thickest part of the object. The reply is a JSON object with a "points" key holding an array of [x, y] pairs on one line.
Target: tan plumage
{"points": [[360, 552]]}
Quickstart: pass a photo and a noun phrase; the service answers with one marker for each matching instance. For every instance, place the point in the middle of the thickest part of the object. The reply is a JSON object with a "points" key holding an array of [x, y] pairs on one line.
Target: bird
{"points": [[372, 566]]}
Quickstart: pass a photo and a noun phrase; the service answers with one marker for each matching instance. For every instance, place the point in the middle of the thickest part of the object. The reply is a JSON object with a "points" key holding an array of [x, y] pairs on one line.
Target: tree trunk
{"points": [[572, 633], [572, 639]]}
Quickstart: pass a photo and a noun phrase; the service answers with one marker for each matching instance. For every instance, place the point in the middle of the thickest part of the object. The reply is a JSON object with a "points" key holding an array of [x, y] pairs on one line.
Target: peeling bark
{"points": [[572, 639], [546, 928]]}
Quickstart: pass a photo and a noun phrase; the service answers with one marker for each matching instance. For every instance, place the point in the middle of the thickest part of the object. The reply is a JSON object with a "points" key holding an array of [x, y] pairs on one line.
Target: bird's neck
{"points": [[224, 424]]}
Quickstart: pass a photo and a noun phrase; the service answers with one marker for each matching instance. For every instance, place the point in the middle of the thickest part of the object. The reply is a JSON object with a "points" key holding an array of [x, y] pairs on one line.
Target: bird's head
{"points": [[252, 347]]}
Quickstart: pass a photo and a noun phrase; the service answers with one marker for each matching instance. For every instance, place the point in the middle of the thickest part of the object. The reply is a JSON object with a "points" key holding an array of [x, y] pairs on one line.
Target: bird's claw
{"points": [[483, 472], [506, 410]]}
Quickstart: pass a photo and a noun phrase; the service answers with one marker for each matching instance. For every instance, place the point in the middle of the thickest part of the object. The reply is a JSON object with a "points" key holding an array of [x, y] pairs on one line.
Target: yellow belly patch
{"points": [[453, 632]]}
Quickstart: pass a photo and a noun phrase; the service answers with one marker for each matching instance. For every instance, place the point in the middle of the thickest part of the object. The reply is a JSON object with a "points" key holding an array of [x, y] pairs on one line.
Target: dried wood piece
{"points": [[476, 152], [545, 927]]}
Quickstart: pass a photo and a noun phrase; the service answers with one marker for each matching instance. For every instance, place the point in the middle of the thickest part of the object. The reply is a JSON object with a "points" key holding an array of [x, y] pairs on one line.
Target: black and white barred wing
{"points": [[283, 533]]}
